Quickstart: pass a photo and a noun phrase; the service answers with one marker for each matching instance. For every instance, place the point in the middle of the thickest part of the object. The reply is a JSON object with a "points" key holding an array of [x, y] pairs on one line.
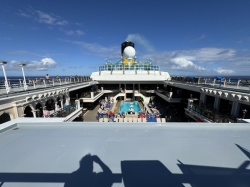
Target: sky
{"points": [[183, 37]]}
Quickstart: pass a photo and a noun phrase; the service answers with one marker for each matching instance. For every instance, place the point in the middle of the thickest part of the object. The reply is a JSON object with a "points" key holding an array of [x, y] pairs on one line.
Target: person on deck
{"points": [[110, 113], [47, 77]]}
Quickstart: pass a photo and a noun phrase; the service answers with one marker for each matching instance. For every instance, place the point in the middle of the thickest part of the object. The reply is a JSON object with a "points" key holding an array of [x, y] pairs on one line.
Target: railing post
{"points": [[34, 84], [20, 82], [24, 80], [44, 83]]}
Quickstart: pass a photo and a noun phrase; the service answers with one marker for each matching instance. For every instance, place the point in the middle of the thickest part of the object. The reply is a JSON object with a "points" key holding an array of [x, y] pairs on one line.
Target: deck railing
{"points": [[65, 111], [18, 85], [120, 67], [212, 114], [229, 84]]}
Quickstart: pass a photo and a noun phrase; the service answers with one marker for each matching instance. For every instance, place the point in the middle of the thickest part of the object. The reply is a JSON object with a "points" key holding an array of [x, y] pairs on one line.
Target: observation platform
{"points": [[47, 154]]}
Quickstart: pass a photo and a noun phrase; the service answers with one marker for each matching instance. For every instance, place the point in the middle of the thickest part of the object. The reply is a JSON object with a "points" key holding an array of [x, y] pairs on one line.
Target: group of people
{"points": [[46, 112], [105, 110], [47, 79], [155, 108]]}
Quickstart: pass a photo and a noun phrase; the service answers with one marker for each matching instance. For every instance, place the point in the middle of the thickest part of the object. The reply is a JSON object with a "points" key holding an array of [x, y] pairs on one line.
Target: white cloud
{"points": [[184, 64], [42, 65], [141, 40], [96, 49], [206, 54], [190, 60], [224, 71], [72, 32], [79, 32], [43, 17]]}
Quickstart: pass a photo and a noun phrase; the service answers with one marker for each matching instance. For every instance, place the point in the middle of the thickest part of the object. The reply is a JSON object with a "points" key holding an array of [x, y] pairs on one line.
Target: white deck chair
{"points": [[144, 120], [158, 120], [130, 120], [139, 120], [125, 120], [105, 119], [100, 119], [115, 119], [163, 120], [120, 119]]}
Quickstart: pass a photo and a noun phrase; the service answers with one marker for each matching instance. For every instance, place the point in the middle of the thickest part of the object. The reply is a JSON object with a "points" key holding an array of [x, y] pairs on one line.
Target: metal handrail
{"points": [[18, 85]]}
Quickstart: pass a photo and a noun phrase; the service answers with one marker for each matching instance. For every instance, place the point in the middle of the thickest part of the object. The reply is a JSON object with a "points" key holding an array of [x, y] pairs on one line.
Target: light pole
{"points": [[24, 80], [244, 113], [6, 81]]}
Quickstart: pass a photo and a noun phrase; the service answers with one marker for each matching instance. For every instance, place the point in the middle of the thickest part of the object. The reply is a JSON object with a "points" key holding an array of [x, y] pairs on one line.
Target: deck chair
{"points": [[144, 120], [163, 120], [105, 119], [100, 119], [158, 120], [125, 120], [120, 119], [135, 120], [130, 120], [115, 119]]}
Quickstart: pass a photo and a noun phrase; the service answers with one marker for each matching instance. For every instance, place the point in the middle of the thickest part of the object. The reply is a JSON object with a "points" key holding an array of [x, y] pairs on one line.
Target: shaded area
{"points": [[244, 150], [4, 118], [141, 173], [84, 175], [147, 173], [39, 110], [28, 112]]}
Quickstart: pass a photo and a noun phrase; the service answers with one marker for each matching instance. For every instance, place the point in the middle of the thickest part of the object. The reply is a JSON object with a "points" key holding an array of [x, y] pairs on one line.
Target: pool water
{"points": [[129, 107]]}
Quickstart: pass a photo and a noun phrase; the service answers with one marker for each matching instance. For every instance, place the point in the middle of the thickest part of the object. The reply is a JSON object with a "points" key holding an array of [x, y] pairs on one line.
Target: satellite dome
{"points": [[129, 52]]}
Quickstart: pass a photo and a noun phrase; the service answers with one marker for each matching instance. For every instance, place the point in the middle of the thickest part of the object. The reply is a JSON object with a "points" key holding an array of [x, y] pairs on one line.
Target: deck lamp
{"points": [[6, 81], [244, 112], [24, 80]]}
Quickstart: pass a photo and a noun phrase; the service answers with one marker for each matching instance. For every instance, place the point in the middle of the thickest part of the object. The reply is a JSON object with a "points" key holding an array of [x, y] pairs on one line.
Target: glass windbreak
{"points": [[127, 67]]}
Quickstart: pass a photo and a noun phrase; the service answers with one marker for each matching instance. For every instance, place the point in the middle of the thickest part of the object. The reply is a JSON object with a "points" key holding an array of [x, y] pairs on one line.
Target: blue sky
{"points": [[74, 37]]}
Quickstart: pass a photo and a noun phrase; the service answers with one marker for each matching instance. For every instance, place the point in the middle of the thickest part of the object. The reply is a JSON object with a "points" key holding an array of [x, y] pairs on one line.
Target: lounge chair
{"points": [[115, 119], [163, 120], [144, 120], [158, 120], [130, 120], [105, 119], [100, 119], [125, 120], [120, 119], [135, 120]]}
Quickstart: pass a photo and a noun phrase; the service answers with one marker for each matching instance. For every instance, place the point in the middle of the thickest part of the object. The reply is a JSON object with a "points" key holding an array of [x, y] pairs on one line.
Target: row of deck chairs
{"points": [[136, 120]]}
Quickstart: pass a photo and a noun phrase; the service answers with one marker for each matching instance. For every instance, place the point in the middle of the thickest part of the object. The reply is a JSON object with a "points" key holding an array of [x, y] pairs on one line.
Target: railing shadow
{"points": [[140, 173]]}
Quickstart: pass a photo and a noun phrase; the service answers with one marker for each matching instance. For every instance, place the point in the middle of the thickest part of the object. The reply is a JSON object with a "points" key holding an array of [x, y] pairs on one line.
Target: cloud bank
{"points": [[197, 61], [42, 65]]}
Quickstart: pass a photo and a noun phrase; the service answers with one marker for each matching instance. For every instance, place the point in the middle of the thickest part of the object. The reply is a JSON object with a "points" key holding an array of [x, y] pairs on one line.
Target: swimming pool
{"points": [[129, 107]]}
